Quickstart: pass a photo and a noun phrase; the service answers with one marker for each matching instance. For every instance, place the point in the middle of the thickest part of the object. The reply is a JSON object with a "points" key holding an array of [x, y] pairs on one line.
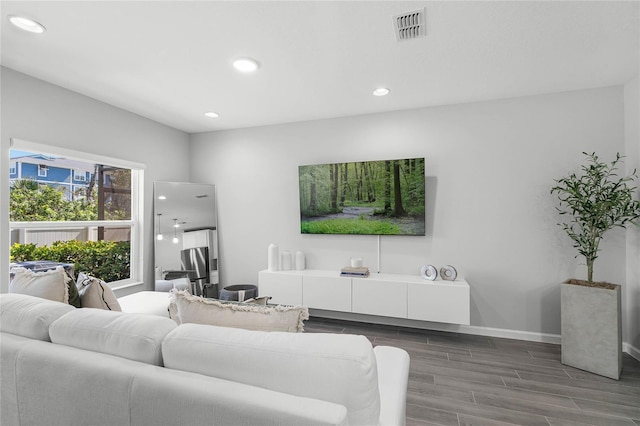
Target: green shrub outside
{"points": [[107, 260]]}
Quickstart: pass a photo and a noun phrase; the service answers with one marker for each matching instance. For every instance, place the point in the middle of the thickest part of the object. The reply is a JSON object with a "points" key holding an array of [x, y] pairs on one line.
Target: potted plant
{"points": [[592, 203]]}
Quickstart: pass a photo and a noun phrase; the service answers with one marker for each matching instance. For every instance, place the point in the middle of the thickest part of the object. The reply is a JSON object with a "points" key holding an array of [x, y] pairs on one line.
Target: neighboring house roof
{"points": [[60, 162]]}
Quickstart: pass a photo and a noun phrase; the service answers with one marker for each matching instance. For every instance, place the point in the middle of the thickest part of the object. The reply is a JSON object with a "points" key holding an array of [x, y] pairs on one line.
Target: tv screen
{"points": [[367, 198]]}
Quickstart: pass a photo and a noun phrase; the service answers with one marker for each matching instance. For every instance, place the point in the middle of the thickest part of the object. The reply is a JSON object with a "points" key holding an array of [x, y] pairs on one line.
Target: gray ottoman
{"points": [[239, 292]]}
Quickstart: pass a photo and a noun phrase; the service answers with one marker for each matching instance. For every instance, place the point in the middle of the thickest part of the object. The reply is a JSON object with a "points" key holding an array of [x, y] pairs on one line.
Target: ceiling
{"points": [[170, 61]]}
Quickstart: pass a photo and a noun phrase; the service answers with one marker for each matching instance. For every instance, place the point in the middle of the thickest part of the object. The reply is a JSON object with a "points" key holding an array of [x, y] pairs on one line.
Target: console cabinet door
{"points": [[376, 297], [284, 288], [440, 301], [329, 293]]}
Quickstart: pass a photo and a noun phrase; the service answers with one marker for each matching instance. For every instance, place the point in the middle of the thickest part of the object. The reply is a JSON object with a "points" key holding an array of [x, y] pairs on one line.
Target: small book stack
{"points": [[350, 271]]}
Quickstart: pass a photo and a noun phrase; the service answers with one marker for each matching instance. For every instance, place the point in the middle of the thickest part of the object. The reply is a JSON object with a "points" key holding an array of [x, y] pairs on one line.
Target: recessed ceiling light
{"points": [[162, 197], [381, 91], [212, 114], [245, 65], [27, 24]]}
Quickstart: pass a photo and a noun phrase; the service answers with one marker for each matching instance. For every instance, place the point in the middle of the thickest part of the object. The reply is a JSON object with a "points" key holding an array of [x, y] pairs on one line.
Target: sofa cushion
{"points": [[339, 368], [198, 310], [29, 316], [133, 336], [50, 284], [95, 293]]}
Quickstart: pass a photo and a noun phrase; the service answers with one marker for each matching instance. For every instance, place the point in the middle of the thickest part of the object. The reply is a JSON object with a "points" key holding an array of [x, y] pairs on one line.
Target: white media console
{"points": [[386, 295]]}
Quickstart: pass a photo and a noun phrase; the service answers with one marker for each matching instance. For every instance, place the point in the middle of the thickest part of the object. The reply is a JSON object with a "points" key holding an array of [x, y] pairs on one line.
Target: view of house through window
{"points": [[76, 213]]}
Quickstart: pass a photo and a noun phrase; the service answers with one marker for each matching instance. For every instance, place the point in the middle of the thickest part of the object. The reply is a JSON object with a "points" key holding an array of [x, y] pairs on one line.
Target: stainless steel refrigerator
{"points": [[195, 261]]}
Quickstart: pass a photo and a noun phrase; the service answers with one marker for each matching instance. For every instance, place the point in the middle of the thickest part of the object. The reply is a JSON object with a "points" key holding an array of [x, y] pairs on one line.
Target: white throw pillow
{"points": [[95, 293], [198, 310], [50, 284]]}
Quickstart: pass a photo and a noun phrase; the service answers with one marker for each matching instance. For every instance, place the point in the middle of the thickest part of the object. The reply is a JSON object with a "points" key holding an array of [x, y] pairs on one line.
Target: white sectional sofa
{"points": [[66, 366]]}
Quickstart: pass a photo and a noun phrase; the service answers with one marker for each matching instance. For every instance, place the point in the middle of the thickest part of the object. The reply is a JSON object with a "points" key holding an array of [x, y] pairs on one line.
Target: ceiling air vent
{"points": [[410, 25]]}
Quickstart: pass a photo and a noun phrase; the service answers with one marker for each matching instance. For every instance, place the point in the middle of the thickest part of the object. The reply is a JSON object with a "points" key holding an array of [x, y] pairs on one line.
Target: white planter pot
{"points": [[592, 329]]}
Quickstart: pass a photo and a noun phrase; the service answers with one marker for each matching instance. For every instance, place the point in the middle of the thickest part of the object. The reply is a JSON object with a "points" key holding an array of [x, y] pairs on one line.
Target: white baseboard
{"points": [[454, 328], [457, 328], [512, 334], [631, 350]]}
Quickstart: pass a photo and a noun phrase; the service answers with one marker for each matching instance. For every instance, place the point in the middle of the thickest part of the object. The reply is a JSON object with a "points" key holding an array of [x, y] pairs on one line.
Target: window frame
{"points": [[80, 177], [136, 223], [43, 170]]}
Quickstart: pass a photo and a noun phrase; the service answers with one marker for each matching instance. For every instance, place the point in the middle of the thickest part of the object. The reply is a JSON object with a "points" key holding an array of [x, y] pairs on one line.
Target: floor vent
{"points": [[410, 25]]}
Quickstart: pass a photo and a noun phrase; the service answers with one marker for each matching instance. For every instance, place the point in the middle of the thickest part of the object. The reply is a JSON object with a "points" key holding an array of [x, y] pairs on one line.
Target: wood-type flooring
{"points": [[461, 379]]}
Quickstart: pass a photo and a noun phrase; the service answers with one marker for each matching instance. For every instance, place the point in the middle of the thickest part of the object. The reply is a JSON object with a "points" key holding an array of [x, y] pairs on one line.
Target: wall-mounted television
{"points": [[383, 197]]}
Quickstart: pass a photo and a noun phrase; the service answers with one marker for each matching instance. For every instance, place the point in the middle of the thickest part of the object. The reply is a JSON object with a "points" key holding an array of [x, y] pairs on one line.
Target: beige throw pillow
{"points": [[95, 293], [198, 310], [50, 284]]}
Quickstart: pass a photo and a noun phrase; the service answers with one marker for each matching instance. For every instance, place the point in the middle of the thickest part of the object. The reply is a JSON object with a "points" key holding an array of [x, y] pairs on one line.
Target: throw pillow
{"points": [[198, 310], [95, 293], [50, 284], [74, 297], [262, 300]]}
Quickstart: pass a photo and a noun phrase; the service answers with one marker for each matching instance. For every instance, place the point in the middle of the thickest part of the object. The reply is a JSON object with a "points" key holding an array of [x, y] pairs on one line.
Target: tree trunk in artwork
{"points": [[345, 185], [358, 182], [333, 177], [366, 168], [312, 192], [374, 195], [387, 187], [398, 209]]}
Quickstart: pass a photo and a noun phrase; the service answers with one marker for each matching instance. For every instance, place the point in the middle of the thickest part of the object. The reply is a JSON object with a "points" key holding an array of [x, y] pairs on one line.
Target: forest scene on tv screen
{"points": [[369, 198]]}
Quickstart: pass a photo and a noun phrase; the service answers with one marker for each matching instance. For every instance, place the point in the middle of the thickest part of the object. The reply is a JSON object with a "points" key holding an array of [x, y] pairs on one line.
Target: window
{"points": [[99, 228], [42, 170], [13, 168]]}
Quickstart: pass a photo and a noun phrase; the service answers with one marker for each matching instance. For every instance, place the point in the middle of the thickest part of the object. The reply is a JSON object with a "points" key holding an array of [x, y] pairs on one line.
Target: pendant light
{"points": [[159, 236], [175, 232]]}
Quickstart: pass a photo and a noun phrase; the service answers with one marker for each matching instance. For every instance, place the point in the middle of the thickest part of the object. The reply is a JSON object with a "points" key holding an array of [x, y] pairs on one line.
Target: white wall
{"points": [[40, 112], [632, 145], [489, 169]]}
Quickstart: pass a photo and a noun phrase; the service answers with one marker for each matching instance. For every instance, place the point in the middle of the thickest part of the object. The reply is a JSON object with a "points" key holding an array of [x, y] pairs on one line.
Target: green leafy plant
{"points": [[107, 260], [593, 203], [30, 201]]}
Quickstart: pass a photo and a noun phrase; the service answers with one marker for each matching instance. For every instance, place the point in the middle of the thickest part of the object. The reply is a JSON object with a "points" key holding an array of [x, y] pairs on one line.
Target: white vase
{"points": [[300, 262], [286, 262], [273, 258]]}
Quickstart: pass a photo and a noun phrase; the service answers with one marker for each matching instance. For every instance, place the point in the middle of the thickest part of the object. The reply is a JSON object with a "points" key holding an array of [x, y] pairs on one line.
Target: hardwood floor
{"points": [[460, 379]]}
